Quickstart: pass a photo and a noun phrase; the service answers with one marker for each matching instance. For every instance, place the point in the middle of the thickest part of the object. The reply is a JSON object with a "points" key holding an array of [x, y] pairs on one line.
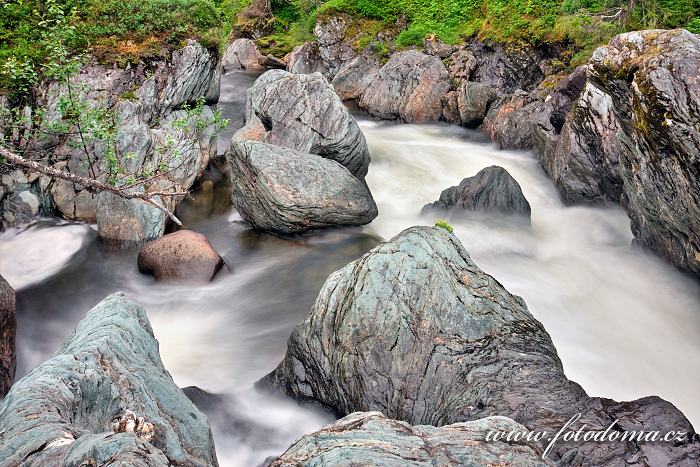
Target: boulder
{"points": [[242, 54], [20, 207], [511, 119], [284, 191], [506, 67], [124, 223], [409, 87], [305, 59], [653, 80], [354, 77], [469, 104], [180, 255], [334, 45], [493, 189], [104, 398], [415, 330], [370, 438], [303, 112], [461, 65], [8, 330]]}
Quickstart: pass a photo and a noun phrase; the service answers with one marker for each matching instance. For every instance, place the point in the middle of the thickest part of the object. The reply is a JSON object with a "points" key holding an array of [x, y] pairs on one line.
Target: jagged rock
{"points": [[284, 191], [104, 398], [451, 344], [461, 65], [511, 119], [468, 105], [493, 189], [334, 46], [127, 222], [370, 438], [8, 330], [242, 54], [653, 79], [303, 112], [20, 207], [434, 46], [565, 93], [354, 77], [506, 67], [305, 59], [409, 87], [180, 255]]}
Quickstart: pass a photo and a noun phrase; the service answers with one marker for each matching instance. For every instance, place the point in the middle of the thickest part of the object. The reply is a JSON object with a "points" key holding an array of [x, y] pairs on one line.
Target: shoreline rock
{"points": [[8, 332]]}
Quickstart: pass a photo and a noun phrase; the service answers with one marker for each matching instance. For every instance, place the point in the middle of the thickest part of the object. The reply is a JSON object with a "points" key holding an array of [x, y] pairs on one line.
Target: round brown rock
{"points": [[180, 255]]}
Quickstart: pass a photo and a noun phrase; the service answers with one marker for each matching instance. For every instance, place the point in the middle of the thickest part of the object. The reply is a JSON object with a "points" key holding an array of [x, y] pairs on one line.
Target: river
{"points": [[625, 324]]}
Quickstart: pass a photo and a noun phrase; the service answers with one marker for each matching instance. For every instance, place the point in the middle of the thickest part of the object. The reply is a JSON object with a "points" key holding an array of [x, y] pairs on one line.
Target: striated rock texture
{"points": [[354, 77], [506, 67], [303, 112], [242, 54], [409, 87], [416, 330], [284, 191], [8, 330], [653, 80], [492, 189], [370, 438], [180, 255], [104, 399], [468, 105], [305, 59], [335, 48]]}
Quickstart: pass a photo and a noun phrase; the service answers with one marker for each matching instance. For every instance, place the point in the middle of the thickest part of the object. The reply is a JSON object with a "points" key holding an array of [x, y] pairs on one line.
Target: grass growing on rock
{"points": [[443, 224]]}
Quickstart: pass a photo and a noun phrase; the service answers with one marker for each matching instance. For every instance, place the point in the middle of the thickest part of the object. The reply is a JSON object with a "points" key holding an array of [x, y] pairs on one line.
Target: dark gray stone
{"points": [[8, 331], [468, 105], [493, 189], [415, 330], [370, 438], [305, 59], [104, 398], [284, 191], [303, 112]]}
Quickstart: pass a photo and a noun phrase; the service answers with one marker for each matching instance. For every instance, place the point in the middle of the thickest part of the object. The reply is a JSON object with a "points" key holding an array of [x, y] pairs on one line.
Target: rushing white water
{"points": [[625, 324]]}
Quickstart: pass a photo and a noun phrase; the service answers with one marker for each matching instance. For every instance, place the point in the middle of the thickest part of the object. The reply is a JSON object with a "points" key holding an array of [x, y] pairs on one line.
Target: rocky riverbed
{"points": [[525, 305]]}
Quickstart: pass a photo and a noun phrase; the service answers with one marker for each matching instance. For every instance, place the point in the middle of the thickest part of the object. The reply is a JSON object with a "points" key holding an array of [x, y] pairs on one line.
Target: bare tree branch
{"points": [[93, 185]]}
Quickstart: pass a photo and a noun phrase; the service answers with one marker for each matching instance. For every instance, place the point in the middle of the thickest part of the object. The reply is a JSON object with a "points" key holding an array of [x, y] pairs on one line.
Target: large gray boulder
{"points": [[8, 330], [370, 438], [305, 59], [354, 77], [334, 44], [409, 87], [242, 54], [415, 330], [469, 104], [303, 112], [104, 398], [284, 191], [653, 80], [492, 189]]}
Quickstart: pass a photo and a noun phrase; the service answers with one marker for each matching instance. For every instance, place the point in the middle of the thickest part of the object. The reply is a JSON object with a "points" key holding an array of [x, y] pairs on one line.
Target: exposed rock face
{"points": [[284, 191], [8, 329], [491, 190], [242, 54], [127, 222], [653, 79], [434, 46], [354, 77], [146, 104], [305, 59], [370, 438], [511, 119], [334, 47], [468, 105], [506, 68], [451, 345], [409, 87], [303, 112], [180, 255], [461, 65], [104, 399]]}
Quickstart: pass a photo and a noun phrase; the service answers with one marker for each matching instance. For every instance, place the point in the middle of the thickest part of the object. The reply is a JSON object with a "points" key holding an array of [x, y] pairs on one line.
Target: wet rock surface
{"points": [[284, 191], [370, 438], [303, 112], [182, 255], [104, 399], [8, 331], [493, 189], [452, 345]]}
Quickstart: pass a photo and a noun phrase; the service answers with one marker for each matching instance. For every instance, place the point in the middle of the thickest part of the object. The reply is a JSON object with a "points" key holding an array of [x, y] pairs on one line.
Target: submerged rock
{"points": [[180, 255], [492, 189], [653, 80], [8, 330], [242, 54], [104, 398], [409, 87], [303, 112], [416, 330], [284, 191], [370, 438]]}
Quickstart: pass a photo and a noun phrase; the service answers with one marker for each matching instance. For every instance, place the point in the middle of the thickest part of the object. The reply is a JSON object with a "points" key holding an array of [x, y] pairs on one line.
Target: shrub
{"points": [[442, 223]]}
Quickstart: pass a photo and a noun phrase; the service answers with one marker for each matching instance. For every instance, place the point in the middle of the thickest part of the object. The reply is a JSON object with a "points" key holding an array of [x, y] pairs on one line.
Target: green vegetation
{"points": [[442, 223]]}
